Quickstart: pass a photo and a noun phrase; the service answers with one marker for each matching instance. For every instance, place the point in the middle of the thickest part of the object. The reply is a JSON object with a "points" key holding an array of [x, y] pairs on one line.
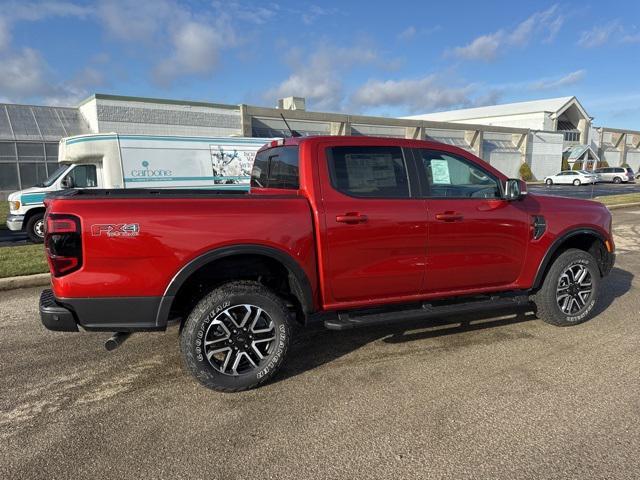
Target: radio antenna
{"points": [[294, 133]]}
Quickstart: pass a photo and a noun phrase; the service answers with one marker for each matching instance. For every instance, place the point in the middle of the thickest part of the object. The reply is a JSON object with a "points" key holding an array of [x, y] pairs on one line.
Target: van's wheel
{"points": [[576, 182], [549, 182], [35, 228], [617, 180], [570, 290], [236, 337]]}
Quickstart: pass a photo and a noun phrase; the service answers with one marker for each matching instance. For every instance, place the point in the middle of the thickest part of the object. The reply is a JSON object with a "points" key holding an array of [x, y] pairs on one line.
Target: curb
{"points": [[38, 280], [623, 205]]}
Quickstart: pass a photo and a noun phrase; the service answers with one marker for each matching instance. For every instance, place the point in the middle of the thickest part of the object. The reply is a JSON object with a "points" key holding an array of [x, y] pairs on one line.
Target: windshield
{"points": [[54, 176], [585, 172]]}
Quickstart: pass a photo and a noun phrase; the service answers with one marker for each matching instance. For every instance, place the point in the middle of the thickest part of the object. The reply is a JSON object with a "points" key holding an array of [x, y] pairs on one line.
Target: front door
{"points": [[476, 239], [375, 231]]}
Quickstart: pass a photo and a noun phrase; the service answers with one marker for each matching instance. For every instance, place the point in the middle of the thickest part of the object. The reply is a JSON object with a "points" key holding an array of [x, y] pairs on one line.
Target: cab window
{"points": [[83, 176], [452, 176]]}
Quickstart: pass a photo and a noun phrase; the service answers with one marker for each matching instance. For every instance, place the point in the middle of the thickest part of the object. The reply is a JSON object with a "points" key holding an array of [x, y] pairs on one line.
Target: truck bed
{"points": [[173, 227]]}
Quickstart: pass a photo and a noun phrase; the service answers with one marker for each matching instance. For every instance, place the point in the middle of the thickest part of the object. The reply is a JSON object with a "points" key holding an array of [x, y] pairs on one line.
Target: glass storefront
{"points": [[29, 137]]}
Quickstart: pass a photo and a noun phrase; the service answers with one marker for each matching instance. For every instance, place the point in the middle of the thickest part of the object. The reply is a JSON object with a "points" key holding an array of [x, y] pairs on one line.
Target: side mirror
{"points": [[67, 182], [515, 189]]}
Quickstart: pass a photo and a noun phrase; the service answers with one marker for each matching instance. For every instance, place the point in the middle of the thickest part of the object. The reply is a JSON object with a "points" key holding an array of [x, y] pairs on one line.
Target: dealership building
{"points": [[539, 133]]}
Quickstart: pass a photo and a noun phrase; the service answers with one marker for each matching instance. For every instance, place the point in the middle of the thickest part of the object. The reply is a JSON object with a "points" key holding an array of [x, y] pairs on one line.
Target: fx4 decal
{"points": [[115, 229]]}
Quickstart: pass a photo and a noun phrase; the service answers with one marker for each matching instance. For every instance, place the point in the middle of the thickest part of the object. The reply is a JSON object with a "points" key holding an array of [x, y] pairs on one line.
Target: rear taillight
{"points": [[63, 243]]}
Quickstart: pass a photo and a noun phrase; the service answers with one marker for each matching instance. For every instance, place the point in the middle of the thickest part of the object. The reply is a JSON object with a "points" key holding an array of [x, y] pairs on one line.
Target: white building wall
{"points": [[633, 159], [498, 149], [612, 157], [131, 117], [545, 153], [89, 111], [534, 121]]}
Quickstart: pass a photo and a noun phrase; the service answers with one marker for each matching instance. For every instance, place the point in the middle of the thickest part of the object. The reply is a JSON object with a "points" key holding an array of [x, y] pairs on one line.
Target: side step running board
{"points": [[354, 319]]}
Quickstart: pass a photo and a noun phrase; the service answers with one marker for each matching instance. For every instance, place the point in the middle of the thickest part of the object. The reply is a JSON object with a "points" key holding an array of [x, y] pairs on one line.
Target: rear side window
{"points": [[377, 172], [276, 168]]}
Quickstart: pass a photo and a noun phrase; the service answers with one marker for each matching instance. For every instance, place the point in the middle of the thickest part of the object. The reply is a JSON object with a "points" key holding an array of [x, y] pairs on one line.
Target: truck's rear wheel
{"points": [[236, 337], [35, 228], [570, 289]]}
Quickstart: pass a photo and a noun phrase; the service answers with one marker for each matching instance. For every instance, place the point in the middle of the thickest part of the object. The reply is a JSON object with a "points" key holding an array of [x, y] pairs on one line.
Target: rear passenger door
{"points": [[476, 238], [375, 229]]}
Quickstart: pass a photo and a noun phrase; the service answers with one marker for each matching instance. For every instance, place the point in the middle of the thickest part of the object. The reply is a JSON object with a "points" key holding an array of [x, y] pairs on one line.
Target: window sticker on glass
{"points": [[440, 172], [366, 171]]}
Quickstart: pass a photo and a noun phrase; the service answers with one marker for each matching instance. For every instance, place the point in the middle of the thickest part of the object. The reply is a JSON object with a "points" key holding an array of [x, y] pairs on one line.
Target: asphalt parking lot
{"points": [[497, 395]]}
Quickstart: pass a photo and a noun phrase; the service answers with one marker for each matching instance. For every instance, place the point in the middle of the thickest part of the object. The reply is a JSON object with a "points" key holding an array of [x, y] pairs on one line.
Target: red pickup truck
{"points": [[348, 231]]}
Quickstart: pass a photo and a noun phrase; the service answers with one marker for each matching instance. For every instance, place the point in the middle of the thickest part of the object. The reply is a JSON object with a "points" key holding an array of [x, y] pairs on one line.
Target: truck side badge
{"points": [[115, 229]]}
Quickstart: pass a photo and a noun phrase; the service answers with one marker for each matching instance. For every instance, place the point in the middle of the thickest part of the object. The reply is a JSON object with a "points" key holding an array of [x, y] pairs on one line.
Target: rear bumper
{"points": [[121, 314], [15, 222], [55, 316]]}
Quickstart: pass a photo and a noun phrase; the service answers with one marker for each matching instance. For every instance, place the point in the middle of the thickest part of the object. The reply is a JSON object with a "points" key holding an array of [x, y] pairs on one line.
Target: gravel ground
{"points": [[498, 395]]}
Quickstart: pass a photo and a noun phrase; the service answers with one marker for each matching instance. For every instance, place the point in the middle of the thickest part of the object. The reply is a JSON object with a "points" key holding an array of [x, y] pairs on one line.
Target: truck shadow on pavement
{"points": [[315, 346]]}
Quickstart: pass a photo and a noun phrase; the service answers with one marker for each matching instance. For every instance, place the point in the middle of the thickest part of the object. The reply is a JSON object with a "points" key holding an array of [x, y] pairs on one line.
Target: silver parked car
{"points": [[612, 174]]}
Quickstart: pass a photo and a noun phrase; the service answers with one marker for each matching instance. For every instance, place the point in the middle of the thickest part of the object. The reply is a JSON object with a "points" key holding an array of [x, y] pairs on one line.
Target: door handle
{"points": [[449, 217], [351, 218]]}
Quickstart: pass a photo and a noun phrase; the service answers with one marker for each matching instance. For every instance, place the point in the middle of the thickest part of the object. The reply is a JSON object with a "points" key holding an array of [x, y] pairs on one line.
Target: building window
{"points": [[32, 174], [9, 176], [571, 136]]}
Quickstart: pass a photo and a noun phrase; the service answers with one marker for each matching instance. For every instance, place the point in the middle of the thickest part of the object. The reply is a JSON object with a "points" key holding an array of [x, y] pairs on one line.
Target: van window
{"points": [[377, 172], [84, 176], [276, 168]]}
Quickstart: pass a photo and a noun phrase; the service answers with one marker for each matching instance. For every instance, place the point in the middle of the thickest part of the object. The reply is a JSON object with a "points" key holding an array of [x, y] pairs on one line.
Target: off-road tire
{"points": [[35, 221], [229, 296], [546, 299]]}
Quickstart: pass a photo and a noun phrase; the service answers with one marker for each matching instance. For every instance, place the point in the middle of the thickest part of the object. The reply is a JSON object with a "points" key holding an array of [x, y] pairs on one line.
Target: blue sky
{"points": [[380, 58]]}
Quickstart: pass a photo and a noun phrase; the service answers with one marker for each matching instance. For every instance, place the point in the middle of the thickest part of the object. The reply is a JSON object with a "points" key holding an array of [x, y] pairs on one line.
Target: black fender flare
{"points": [[557, 243], [297, 277]]}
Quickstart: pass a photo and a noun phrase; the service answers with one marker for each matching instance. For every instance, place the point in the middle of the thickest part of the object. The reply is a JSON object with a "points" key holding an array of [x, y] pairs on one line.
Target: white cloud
{"points": [[16, 10], [600, 34], [132, 20], [408, 33], [412, 32], [432, 92], [24, 74], [312, 13], [555, 83], [195, 50], [318, 78], [5, 34], [542, 25], [257, 14], [484, 48], [631, 38]]}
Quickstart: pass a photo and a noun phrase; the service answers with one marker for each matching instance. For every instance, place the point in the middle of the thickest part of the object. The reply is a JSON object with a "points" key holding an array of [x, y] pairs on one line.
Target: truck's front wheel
{"points": [[35, 228], [570, 289], [236, 337]]}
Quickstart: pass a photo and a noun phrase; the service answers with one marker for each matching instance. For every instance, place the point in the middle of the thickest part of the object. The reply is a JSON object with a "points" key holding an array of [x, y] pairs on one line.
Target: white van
{"points": [[137, 161]]}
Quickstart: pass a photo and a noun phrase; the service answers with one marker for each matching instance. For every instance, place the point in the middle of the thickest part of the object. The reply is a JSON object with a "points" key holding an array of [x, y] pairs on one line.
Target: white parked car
{"points": [[572, 177]]}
